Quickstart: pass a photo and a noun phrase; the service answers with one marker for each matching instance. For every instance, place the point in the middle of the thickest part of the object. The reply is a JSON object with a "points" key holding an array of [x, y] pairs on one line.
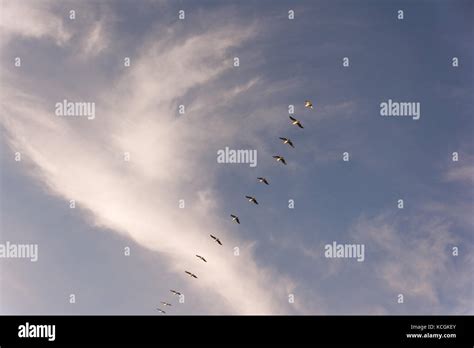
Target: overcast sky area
{"points": [[173, 156]]}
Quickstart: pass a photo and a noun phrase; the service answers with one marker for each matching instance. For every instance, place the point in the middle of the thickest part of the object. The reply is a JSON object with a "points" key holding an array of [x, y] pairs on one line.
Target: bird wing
{"points": [[292, 118]]}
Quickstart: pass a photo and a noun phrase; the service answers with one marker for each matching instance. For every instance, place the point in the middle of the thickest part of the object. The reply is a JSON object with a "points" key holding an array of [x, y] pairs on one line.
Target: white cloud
{"points": [[413, 256], [82, 160], [461, 173], [32, 19], [95, 41]]}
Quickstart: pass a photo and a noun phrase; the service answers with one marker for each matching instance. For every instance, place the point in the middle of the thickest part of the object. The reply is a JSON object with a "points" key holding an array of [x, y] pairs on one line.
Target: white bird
{"points": [[251, 199], [308, 104], [191, 274], [216, 239], [165, 303], [287, 141], [202, 258], [161, 311], [264, 180], [280, 159], [235, 218], [175, 292], [296, 122]]}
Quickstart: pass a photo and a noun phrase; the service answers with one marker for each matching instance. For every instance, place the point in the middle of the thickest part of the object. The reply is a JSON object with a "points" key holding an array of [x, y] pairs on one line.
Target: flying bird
{"points": [[251, 199], [175, 292], [287, 141], [202, 258], [263, 180], [165, 303], [216, 239], [308, 104], [235, 218], [280, 159], [296, 122], [161, 311], [191, 274]]}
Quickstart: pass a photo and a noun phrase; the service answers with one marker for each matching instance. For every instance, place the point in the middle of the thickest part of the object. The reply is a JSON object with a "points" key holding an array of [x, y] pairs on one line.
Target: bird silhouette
{"points": [[251, 199], [200, 257], [191, 274], [216, 239], [280, 159], [296, 122], [235, 218], [287, 141]]}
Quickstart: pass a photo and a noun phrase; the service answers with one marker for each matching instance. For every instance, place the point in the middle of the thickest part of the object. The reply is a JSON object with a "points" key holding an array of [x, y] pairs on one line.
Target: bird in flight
{"points": [[175, 292], [265, 181], [161, 311], [287, 141], [165, 303], [280, 159], [235, 218], [200, 257], [251, 199], [308, 104], [191, 274], [216, 239], [296, 122]]}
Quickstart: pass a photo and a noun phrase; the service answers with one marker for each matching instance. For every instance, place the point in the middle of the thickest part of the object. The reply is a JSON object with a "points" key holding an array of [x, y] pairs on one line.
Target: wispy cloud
{"points": [[37, 21], [416, 260], [140, 198], [463, 173]]}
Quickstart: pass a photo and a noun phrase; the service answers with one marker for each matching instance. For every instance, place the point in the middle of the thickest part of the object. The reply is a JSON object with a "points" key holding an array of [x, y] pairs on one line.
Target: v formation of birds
{"points": [[295, 122]]}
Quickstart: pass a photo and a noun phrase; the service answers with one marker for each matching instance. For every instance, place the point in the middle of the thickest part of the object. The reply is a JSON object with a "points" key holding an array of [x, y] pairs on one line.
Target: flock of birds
{"points": [[309, 105]]}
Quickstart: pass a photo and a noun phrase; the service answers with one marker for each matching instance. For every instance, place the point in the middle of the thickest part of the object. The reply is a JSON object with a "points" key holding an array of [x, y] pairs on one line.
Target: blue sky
{"points": [[407, 251]]}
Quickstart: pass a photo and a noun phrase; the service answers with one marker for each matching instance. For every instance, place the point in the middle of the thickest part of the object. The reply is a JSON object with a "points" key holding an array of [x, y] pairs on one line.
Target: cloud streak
{"points": [[84, 161]]}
